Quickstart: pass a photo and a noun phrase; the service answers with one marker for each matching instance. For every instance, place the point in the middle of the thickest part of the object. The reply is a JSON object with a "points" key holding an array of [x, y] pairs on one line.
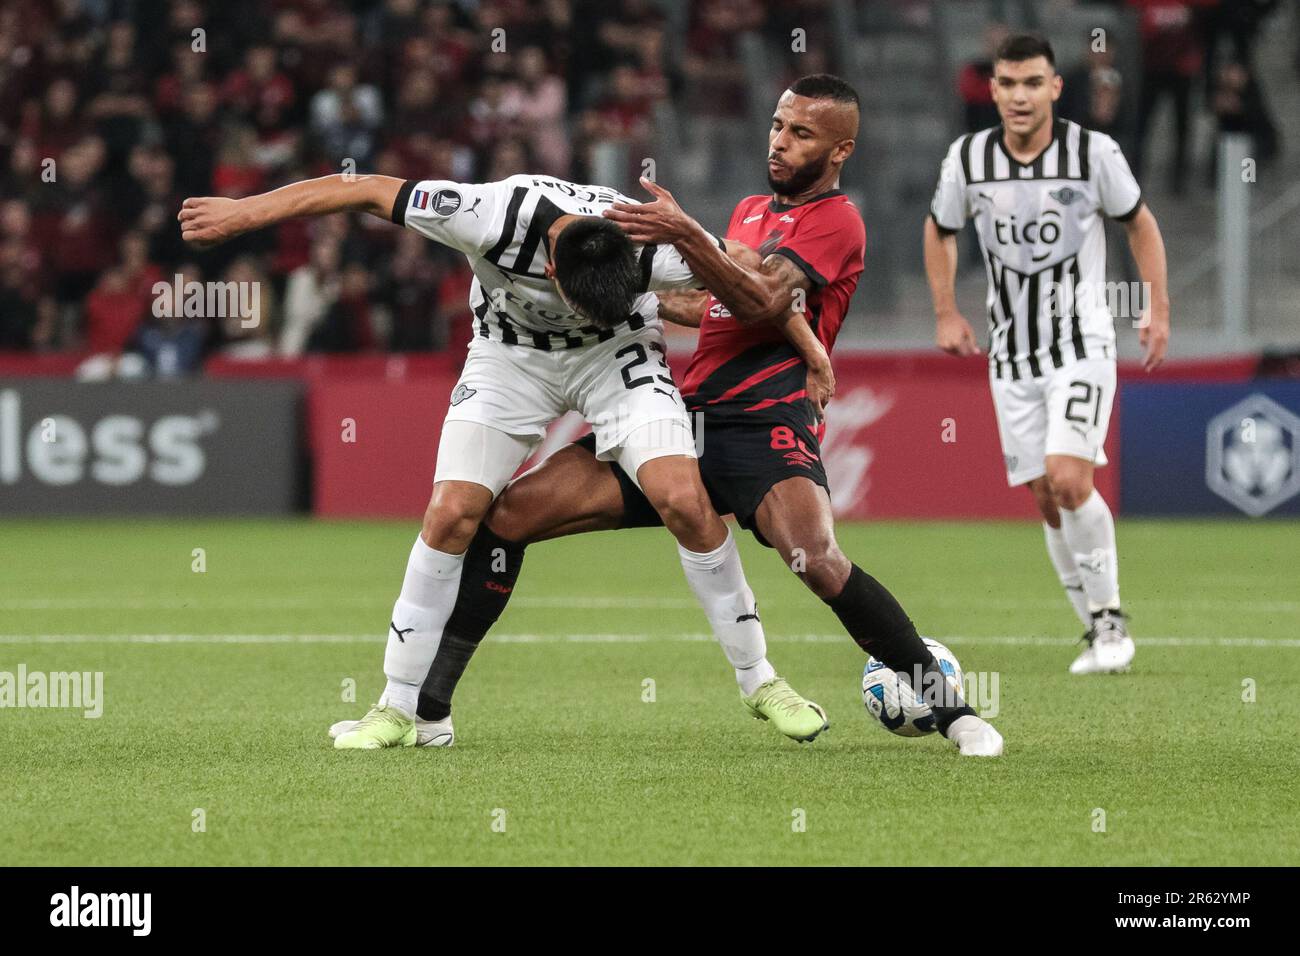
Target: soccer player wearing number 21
{"points": [[1035, 189], [564, 319]]}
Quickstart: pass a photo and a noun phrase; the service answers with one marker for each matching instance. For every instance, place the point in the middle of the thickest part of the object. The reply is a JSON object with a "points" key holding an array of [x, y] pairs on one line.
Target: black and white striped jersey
{"points": [[501, 228], [1041, 231]]}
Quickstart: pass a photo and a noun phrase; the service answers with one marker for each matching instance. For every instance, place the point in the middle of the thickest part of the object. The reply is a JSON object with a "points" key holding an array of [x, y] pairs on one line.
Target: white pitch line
{"points": [[179, 603], [585, 602], [614, 638]]}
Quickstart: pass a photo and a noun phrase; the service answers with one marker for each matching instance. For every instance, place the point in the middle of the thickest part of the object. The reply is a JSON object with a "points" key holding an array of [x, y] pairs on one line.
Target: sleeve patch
{"points": [[444, 203]]}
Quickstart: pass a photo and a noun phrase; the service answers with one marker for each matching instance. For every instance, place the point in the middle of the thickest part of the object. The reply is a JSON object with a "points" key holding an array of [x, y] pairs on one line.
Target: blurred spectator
{"points": [[57, 125], [187, 71], [510, 158], [120, 105], [114, 311], [252, 336], [1237, 20], [716, 77], [27, 319], [258, 91], [193, 139], [78, 231], [1094, 96], [171, 344], [1238, 104], [542, 112], [622, 117], [311, 290], [22, 176], [973, 82], [237, 173], [411, 281], [349, 323], [140, 273], [1172, 58], [345, 116]]}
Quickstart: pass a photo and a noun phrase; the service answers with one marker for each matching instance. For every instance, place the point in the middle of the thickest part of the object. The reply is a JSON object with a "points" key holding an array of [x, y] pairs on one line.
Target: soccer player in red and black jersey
{"points": [[758, 380]]}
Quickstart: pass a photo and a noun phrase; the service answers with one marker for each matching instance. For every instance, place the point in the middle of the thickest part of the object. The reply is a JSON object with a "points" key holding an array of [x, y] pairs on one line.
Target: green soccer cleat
{"points": [[382, 727], [780, 703]]}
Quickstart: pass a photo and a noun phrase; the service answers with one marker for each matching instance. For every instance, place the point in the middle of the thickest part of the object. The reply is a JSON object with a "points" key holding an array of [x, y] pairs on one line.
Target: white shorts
{"points": [[621, 387], [1063, 412]]}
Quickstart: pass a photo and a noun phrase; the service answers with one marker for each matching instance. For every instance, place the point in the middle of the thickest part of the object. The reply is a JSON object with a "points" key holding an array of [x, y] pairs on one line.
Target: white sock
{"points": [[718, 581], [1090, 533], [1067, 569], [421, 612]]}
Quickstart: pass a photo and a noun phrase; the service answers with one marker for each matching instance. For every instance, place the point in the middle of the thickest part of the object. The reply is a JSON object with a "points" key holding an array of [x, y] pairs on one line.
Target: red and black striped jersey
{"points": [[754, 366]]}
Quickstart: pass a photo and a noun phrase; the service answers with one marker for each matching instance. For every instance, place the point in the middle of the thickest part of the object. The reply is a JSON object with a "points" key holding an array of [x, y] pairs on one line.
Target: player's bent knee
{"points": [[685, 509], [455, 511], [1073, 494], [1071, 485]]}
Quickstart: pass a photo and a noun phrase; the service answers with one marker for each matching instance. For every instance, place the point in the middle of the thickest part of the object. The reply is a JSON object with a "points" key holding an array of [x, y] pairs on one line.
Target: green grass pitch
{"points": [[219, 687]]}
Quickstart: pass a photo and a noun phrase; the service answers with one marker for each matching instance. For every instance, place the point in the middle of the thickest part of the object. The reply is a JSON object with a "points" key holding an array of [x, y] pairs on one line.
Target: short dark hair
{"points": [[596, 267], [824, 86], [1025, 46]]}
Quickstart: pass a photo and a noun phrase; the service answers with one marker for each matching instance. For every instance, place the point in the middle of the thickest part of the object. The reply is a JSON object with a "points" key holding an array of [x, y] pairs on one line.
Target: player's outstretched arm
{"points": [[1148, 248], [761, 293], [683, 307], [211, 220], [952, 332], [819, 382]]}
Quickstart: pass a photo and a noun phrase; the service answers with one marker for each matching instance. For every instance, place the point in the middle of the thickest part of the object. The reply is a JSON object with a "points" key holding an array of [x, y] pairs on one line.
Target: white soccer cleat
{"points": [[1085, 663], [1114, 654], [428, 733], [1110, 649], [975, 737]]}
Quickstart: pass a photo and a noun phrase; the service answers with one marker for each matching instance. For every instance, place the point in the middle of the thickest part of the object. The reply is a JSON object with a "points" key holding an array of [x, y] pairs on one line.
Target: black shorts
{"points": [[743, 455]]}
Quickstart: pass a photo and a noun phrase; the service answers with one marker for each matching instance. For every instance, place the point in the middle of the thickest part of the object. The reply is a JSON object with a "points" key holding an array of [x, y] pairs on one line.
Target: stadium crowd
{"points": [[113, 111]]}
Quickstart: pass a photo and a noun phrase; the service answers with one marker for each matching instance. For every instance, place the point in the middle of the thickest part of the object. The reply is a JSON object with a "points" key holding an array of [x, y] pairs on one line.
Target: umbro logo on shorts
{"points": [[1011, 461], [462, 392]]}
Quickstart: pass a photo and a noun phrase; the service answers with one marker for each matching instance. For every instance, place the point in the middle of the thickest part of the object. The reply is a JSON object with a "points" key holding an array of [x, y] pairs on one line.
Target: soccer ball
{"points": [[905, 713]]}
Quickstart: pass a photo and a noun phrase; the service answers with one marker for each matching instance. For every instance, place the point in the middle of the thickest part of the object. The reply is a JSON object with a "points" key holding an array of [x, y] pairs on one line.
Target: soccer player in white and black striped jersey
{"points": [[565, 319], [1036, 189]]}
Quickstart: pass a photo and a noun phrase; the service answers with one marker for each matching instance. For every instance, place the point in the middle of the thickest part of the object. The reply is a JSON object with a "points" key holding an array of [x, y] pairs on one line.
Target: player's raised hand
{"points": [[1153, 335], [210, 220], [954, 335], [659, 221]]}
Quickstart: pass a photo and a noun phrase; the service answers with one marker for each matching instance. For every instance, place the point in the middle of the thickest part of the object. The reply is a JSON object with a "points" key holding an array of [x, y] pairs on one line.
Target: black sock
{"points": [[486, 580], [880, 626]]}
